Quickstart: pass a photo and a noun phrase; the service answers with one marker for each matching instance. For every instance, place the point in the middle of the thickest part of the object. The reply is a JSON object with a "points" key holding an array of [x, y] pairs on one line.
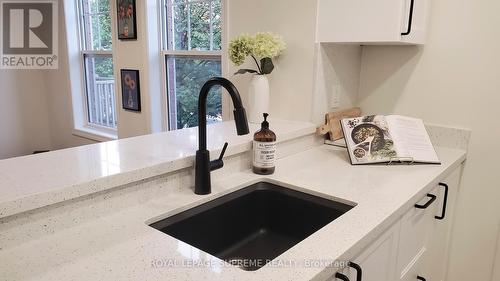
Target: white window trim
{"points": [[164, 53], [81, 125], [92, 134]]}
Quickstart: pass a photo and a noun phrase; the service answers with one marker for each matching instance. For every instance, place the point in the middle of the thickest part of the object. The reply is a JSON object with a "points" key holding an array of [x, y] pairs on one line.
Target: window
{"points": [[192, 40], [95, 45]]}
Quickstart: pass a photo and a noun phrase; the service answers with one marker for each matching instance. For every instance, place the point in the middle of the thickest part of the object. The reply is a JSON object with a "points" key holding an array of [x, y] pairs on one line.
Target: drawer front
{"points": [[415, 227], [414, 269], [378, 260]]}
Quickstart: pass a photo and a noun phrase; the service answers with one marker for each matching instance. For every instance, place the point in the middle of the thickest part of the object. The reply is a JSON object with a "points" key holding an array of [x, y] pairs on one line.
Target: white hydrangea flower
{"points": [[263, 45], [239, 48], [267, 45]]}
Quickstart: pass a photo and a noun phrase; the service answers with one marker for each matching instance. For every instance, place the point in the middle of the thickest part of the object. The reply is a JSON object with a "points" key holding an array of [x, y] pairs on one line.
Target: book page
{"points": [[368, 139], [411, 139]]}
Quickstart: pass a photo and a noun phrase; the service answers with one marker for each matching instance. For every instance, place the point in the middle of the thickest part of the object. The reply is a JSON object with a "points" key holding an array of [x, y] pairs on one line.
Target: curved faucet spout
{"points": [[203, 165], [240, 117]]}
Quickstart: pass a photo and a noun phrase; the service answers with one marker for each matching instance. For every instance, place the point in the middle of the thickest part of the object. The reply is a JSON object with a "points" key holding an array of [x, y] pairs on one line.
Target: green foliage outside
{"points": [[101, 36], [191, 74]]}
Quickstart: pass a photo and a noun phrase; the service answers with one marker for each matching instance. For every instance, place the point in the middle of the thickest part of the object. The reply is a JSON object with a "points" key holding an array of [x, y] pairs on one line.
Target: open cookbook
{"points": [[387, 139]]}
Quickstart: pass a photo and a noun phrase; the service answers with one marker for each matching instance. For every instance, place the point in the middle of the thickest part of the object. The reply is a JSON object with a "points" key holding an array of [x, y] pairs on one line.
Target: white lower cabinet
{"points": [[378, 261], [440, 233], [415, 231], [415, 247]]}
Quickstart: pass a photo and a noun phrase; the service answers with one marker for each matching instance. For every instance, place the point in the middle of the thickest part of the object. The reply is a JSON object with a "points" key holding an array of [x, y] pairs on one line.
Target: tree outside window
{"points": [[192, 56]]}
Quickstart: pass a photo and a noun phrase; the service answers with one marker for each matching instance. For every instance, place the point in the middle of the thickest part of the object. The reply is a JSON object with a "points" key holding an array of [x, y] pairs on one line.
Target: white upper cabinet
{"points": [[372, 21]]}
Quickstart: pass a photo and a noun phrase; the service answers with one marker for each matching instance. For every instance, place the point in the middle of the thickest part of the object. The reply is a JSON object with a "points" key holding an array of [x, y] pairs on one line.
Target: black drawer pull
{"points": [[431, 200], [410, 19], [421, 278], [341, 276], [443, 213], [359, 272]]}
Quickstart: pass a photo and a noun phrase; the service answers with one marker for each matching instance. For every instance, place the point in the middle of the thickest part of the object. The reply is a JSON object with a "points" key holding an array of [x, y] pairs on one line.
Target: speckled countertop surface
{"points": [[119, 245], [35, 181]]}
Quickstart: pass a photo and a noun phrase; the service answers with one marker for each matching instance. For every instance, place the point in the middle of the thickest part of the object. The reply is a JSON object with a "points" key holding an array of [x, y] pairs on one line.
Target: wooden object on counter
{"points": [[332, 123]]}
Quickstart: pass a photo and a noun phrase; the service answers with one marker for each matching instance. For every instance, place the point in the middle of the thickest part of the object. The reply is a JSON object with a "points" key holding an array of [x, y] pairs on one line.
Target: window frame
{"points": [[165, 53], [89, 129]]}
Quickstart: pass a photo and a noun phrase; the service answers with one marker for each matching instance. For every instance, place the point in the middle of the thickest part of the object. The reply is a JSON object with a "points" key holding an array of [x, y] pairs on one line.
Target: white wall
{"points": [[59, 100], [453, 80], [35, 107], [307, 74], [291, 83], [127, 54], [24, 120], [141, 54], [337, 75]]}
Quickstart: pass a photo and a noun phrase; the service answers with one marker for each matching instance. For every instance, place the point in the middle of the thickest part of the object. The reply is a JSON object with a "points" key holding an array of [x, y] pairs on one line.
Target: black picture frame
{"points": [[131, 89], [126, 19]]}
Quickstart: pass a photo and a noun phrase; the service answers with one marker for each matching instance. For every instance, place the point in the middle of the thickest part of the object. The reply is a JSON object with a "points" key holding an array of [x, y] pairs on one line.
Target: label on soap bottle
{"points": [[264, 154]]}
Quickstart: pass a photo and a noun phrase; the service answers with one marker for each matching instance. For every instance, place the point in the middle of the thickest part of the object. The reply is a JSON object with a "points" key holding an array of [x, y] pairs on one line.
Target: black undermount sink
{"points": [[253, 225]]}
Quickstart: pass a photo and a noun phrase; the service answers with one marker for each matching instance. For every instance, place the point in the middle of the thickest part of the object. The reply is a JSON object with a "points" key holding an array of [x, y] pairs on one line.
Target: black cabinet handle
{"points": [[431, 200], [341, 276], [410, 19], [359, 272], [443, 213], [421, 278]]}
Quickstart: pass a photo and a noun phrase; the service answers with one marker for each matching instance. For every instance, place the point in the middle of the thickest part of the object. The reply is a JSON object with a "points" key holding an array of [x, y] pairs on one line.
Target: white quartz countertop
{"points": [[39, 180], [119, 245]]}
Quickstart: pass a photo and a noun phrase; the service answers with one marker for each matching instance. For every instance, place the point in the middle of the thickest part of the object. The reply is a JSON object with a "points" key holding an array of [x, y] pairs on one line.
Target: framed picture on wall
{"points": [[131, 92], [127, 24]]}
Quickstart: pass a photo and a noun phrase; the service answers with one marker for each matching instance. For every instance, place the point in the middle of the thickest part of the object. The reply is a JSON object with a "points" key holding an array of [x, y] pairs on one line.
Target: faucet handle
{"points": [[223, 151], [218, 163]]}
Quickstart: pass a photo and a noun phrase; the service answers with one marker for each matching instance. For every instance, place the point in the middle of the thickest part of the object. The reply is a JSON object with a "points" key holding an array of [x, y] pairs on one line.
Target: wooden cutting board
{"points": [[332, 122]]}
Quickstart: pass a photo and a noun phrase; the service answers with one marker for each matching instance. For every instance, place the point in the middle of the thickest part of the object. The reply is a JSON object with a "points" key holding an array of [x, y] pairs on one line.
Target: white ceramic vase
{"points": [[258, 97]]}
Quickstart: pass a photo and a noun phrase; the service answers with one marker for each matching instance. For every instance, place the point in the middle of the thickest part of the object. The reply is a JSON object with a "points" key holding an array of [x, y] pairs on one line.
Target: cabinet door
{"points": [[419, 18], [440, 232], [416, 225], [378, 260], [359, 20], [371, 22]]}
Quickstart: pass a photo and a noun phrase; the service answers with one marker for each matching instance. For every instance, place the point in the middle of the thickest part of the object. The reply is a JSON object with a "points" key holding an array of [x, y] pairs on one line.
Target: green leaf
{"points": [[266, 65], [244, 70]]}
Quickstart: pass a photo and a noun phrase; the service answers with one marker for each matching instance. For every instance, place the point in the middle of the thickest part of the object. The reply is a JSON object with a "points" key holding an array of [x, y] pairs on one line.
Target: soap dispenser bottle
{"points": [[264, 149]]}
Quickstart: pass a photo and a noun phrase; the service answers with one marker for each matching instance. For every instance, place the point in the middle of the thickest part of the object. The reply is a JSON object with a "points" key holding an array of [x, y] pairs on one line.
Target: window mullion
{"points": [[193, 53], [98, 52], [98, 27], [193, 2], [95, 14], [84, 10], [98, 33], [211, 27], [189, 24], [169, 22]]}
